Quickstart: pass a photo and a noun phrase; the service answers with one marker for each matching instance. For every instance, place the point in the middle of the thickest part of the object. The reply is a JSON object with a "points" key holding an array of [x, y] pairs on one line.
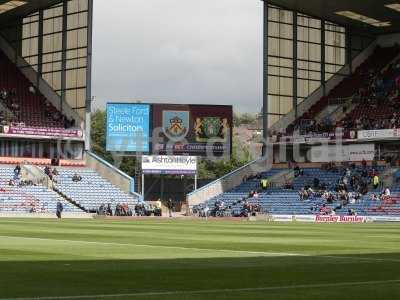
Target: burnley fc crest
{"points": [[175, 124]]}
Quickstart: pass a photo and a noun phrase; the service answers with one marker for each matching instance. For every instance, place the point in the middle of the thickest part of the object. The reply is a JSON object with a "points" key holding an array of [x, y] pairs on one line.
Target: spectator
{"points": [[109, 210], [386, 194], [48, 172], [60, 209], [158, 208], [55, 172], [55, 161], [264, 184], [76, 178], [158, 203], [32, 89], [297, 171], [16, 177], [374, 197], [245, 209], [15, 106], [351, 212], [288, 185], [375, 181], [17, 170], [3, 94], [170, 206], [324, 210], [303, 194]]}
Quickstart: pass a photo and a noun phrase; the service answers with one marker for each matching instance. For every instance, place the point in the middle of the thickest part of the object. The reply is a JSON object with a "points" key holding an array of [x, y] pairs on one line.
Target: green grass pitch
{"points": [[183, 259]]}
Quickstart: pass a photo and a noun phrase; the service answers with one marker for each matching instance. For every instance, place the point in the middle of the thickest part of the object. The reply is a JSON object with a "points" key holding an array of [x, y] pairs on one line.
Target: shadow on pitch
{"points": [[94, 277]]}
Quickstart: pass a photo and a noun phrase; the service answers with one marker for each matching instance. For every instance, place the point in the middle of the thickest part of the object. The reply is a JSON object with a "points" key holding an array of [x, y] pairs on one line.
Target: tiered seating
{"points": [[350, 85], [379, 104], [383, 112], [92, 191], [287, 202], [31, 108], [28, 199]]}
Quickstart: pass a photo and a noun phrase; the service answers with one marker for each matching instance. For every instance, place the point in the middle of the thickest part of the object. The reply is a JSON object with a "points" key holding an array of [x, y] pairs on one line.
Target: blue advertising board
{"points": [[128, 127]]}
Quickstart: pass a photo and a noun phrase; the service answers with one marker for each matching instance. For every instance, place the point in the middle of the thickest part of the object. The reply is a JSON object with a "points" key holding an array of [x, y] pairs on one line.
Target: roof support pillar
{"points": [[323, 59], [64, 54], [295, 63], [89, 76], [349, 60], [265, 111]]}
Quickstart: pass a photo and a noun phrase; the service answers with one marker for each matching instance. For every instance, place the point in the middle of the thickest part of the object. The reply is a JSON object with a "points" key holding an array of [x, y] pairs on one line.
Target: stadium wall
{"points": [[228, 181], [47, 215], [111, 173]]}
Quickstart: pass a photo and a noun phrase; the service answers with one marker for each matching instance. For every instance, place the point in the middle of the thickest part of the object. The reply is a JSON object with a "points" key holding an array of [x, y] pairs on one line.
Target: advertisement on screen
{"points": [[161, 164], [198, 130], [128, 127]]}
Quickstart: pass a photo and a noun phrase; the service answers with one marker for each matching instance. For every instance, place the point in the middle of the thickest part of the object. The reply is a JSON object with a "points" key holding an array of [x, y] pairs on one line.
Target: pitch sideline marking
{"points": [[213, 291], [158, 246], [209, 249], [359, 258]]}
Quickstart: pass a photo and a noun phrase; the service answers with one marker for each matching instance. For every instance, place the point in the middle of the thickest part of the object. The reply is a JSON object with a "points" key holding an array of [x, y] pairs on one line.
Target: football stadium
{"points": [[148, 200]]}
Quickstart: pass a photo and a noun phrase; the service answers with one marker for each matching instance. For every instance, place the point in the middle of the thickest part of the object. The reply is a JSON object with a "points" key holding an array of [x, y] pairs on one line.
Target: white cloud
{"points": [[184, 51]]}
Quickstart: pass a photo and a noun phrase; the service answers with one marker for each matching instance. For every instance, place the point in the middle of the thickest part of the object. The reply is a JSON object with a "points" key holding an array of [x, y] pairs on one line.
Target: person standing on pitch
{"points": [[170, 206], [60, 209]]}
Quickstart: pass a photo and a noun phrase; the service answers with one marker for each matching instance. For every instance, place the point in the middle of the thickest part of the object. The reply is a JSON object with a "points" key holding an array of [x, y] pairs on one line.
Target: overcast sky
{"points": [[178, 51]]}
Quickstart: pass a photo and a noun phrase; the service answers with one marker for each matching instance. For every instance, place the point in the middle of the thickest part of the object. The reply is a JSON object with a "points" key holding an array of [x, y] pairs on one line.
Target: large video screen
{"points": [[128, 127], [198, 130]]}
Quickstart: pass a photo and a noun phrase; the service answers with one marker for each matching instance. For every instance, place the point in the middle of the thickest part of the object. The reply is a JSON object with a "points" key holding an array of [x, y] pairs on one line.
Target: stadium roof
{"points": [[12, 9], [374, 16]]}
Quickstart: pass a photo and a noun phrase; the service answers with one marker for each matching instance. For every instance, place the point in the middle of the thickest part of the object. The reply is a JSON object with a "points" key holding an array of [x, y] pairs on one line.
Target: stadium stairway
{"points": [[28, 199], [42, 195], [92, 191]]}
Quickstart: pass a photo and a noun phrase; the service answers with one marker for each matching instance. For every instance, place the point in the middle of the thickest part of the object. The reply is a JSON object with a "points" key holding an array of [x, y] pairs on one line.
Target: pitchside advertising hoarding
{"points": [[331, 218], [320, 218], [200, 130], [161, 164], [128, 127], [328, 153], [379, 134]]}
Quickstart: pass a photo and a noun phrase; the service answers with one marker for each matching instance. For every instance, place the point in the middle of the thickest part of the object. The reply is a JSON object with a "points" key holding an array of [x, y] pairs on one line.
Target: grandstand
{"points": [[283, 201], [45, 104], [28, 199], [331, 77], [327, 79], [331, 126]]}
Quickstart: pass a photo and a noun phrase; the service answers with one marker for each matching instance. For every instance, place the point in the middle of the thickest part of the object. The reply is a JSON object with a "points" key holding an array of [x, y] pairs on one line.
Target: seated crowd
{"points": [[376, 106], [331, 188], [123, 210], [19, 117], [353, 184]]}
